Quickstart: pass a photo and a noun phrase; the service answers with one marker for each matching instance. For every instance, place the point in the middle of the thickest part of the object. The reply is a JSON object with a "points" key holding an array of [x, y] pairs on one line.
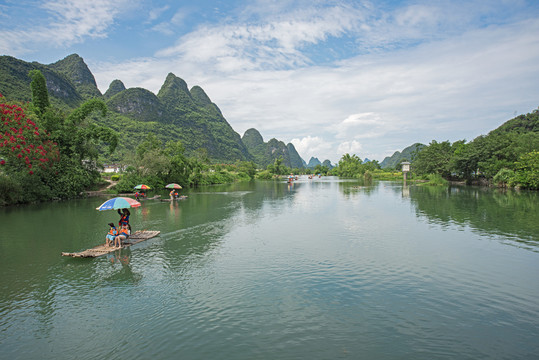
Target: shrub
{"points": [[504, 177], [264, 175], [436, 180], [527, 170]]}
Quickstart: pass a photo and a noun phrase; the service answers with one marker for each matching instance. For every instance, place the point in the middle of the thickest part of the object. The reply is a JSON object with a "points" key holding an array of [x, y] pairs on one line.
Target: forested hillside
{"points": [[266, 153], [507, 156], [175, 113], [393, 161]]}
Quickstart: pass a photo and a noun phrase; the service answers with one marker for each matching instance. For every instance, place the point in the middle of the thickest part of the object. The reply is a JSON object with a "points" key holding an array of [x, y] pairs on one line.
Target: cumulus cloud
{"points": [[332, 76], [312, 146], [350, 147]]}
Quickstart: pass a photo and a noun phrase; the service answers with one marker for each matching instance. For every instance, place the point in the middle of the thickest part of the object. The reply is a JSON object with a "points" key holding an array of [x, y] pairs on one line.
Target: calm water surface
{"points": [[322, 269]]}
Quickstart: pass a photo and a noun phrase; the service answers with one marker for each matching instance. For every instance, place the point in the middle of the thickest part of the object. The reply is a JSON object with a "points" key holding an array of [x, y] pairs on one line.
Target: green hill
{"points": [[266, 153], [407, 154], [520, 124], [175, 113], [74, 68]]}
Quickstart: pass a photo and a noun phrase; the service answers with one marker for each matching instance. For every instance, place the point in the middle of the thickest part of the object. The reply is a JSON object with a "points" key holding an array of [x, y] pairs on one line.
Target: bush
{"points": [[367, 176], [115, 177], [504, 177], [436, 180], [527, 170], [11, 191], [264, 175]]}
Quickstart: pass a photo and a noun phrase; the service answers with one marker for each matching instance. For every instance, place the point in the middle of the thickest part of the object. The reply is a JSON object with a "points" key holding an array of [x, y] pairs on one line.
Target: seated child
{"points": [[113, 232], [124, 234]]}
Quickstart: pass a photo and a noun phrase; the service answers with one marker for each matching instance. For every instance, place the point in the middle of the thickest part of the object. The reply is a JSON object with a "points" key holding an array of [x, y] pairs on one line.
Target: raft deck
{"points": [[135, 238]]}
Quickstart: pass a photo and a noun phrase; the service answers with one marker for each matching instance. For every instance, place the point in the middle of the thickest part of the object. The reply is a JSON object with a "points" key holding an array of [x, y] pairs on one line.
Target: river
{"points": [[320, 269]]}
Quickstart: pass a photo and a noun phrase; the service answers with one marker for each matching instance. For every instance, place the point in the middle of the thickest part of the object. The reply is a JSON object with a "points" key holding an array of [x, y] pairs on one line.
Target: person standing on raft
{"points": [[124, 218]]}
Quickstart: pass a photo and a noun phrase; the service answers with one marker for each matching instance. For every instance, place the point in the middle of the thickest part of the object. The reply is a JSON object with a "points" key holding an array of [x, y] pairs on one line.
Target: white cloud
{"points": [[65, 22], [350, 147], [170, 26], [444, 90], [156, 13], [310, 146], [273, 43], [407, 73]]}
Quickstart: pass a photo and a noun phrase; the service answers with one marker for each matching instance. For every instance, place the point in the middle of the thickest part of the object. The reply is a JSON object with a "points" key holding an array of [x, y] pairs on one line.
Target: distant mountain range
{"points": [[175, 113]]}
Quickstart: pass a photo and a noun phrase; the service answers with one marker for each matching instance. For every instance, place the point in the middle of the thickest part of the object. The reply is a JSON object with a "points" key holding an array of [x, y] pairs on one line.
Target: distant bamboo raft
{"points": [[135, 238]]}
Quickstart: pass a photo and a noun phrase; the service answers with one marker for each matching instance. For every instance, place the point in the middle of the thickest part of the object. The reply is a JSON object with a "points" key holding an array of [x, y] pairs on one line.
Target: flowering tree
{"points": [[23, 144], [37, 136]]}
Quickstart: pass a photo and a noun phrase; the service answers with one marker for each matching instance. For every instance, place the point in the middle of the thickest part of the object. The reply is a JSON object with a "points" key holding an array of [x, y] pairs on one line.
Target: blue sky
{"points": [[332, 77]]}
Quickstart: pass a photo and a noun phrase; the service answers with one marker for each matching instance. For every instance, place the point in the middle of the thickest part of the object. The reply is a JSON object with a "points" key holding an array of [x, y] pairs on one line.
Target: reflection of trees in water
{"points": [[508, 213], [353, 188]]}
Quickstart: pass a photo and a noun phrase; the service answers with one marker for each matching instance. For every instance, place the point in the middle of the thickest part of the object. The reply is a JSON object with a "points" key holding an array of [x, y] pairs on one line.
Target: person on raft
{"points": [[124, 234], [173, 195], [124, 218], [111, 236]]}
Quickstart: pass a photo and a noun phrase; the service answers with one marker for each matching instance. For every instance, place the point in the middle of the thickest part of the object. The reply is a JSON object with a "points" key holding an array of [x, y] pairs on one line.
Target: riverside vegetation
{"points": [[53, 147]]}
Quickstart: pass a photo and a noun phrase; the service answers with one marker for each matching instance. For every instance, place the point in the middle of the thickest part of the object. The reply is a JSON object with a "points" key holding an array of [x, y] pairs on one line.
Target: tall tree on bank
{"points": [[59, 151], [40, 95]]}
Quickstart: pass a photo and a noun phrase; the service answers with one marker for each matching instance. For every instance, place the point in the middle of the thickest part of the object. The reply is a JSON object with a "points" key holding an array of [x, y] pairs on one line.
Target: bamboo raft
{"points": [[135, 238], [181, 197]]}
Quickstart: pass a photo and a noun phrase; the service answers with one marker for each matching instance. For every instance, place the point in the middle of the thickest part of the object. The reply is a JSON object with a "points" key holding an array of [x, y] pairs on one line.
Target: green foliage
{"points": [[434, 159], [40, 96], [436, 180], [368, 176], [264, 175], [387, 175], [504, 177], [351, 166], [11, 191], [521, 124], [277, 168], [58, 164], [408, 154], [321, 169], [527, 170], [246, 167]]}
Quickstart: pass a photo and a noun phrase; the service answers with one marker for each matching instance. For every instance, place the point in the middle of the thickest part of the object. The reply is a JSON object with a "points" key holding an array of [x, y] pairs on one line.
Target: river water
{"points": [[321, 269]]}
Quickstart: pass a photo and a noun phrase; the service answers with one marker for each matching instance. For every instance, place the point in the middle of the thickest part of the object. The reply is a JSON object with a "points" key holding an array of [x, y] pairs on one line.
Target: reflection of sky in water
{"points": [[303, 273]]}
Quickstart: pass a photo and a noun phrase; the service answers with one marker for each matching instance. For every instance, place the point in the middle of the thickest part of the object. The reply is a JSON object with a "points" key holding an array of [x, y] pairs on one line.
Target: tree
{"points": [[277, 167], [23, 144], [527, 170], [349, 166], [434, 159], [40, 95]]}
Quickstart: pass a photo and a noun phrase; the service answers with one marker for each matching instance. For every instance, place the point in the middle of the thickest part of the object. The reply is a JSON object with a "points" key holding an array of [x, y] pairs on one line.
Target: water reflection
{"points": [[353, 187], [120, 270], [512, 214], [275, 270]]}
